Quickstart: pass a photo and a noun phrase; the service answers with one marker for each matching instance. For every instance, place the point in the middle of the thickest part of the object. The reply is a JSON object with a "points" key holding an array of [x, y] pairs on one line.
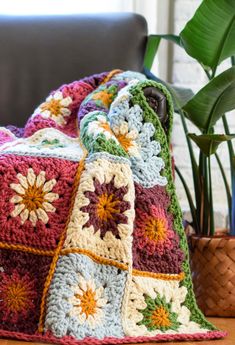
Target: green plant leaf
{"points": [[180, 95], [226, 186], [208, 143], [152, 47], [209, 35], [151, 50], [213, 100], [173, 38]]}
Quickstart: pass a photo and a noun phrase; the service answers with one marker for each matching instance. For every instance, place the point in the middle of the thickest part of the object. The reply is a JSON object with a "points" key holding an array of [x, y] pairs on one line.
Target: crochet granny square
{"points": [[92, 247]]}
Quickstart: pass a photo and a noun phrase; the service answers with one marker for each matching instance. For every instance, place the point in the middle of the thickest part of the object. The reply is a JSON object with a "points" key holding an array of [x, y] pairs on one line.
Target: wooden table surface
{"points": [[225, 324]]}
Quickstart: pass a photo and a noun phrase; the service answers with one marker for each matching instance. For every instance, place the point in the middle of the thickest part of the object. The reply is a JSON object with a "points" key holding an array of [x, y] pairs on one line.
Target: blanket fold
{"points": [[92, 248]]}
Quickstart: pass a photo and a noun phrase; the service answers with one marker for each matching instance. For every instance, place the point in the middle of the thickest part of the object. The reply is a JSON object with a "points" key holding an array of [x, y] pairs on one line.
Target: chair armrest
{"points": [[157, 101]]}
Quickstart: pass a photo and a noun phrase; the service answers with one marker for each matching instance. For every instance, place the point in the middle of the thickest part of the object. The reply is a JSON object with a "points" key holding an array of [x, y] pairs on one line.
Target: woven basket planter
{"points": [[212, 261]]}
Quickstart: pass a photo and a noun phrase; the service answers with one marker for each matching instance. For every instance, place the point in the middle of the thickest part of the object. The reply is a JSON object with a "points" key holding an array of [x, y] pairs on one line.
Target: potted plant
{"points": [[209, 37]]}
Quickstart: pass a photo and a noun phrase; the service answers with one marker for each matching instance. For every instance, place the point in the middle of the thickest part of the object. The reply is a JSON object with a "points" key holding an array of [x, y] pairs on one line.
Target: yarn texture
{"points": [[92, 247]]}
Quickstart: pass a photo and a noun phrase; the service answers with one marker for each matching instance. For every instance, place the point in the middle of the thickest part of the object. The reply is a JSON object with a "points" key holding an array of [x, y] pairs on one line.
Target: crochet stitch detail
{"points": [[92, 248]]}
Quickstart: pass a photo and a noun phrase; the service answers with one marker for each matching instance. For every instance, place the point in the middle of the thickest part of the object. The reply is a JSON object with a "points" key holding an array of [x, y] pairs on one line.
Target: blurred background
{"points": [[171, 64]]}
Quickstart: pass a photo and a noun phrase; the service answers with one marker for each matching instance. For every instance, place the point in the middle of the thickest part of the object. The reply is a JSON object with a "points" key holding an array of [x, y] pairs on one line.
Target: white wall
{"points": [[188, 73]]}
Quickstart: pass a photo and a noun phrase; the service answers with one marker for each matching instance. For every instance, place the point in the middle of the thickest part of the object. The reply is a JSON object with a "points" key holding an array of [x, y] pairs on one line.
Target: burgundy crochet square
{"points": [[155, 243], [34, 199], [22, 278]]}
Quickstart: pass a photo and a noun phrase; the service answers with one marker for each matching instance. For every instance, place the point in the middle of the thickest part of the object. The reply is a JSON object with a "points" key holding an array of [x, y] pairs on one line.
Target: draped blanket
{"points": [[92, 248]]}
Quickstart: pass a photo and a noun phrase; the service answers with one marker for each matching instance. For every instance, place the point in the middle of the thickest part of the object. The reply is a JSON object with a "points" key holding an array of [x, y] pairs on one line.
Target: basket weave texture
{"points": [[212, 261]]}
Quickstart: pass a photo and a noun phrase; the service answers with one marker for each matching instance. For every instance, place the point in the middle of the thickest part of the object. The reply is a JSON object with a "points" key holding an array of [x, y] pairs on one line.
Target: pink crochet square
{"points": [[34, 199], [155, 241], [22, 279]]}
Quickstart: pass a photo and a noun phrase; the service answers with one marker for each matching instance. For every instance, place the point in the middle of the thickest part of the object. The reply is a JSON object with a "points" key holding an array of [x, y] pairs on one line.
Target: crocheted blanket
{"points": [[92, 248]]}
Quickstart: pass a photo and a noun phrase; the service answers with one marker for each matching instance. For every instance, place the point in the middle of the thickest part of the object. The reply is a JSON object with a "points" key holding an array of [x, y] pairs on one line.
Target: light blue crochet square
{"points": [[85, 299]]}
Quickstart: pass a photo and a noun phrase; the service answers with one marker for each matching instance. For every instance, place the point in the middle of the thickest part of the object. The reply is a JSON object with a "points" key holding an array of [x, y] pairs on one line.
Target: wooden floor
{"points": [[227, 324]]}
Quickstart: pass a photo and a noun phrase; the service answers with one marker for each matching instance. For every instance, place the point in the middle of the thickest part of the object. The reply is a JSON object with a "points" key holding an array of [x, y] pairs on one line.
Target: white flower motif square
{"points": [[85, 299], [156, 306]]}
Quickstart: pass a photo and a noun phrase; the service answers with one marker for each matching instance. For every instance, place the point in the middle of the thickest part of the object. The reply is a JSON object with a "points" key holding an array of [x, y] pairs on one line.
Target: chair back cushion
{"points": [[40, 53]]}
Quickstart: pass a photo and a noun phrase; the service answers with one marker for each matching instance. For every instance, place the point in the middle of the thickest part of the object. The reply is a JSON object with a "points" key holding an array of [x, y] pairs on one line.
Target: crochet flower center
{"points": [[160, 318], [54, 106], [106, 127], [107, 206], [87, 302], [104, 97], [156, 229], [125, 142], [16, 296], [33, 198], [158, 315]]}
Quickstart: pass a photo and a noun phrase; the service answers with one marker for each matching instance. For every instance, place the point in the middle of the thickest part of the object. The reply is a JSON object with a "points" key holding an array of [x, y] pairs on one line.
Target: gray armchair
{"points": [[40, 53]]}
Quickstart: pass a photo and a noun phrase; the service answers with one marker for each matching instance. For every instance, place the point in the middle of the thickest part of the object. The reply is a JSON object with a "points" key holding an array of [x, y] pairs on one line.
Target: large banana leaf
{"points": [[213, 100], [152, 47], [208, 143], [209, 36]]}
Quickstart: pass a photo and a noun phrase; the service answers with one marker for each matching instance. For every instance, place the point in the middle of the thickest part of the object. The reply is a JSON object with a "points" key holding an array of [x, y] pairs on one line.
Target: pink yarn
{"points": [[44, 235], [110, 340], [77, 90], [5, 137]]}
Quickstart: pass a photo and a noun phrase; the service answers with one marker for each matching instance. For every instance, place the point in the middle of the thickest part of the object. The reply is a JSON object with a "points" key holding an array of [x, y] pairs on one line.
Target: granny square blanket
{"points": [[92, 248]]}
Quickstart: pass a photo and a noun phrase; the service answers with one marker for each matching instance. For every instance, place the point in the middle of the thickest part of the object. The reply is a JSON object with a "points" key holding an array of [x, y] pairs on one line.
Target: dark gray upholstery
{"points": [[38, 54]]}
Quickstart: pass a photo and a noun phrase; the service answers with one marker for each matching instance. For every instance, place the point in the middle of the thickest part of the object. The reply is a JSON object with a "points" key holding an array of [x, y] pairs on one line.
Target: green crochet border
{"points": [[164, 140]]}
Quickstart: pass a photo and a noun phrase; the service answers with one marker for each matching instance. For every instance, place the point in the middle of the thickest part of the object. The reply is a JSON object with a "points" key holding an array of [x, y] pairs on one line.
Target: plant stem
{"points": [[204, 210], [196, 181], [232, 225], [213, 73], [233, 60], [229, 143], [190, 201], [207, 73], [212, 222], [229, 197], [231, 155]]}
